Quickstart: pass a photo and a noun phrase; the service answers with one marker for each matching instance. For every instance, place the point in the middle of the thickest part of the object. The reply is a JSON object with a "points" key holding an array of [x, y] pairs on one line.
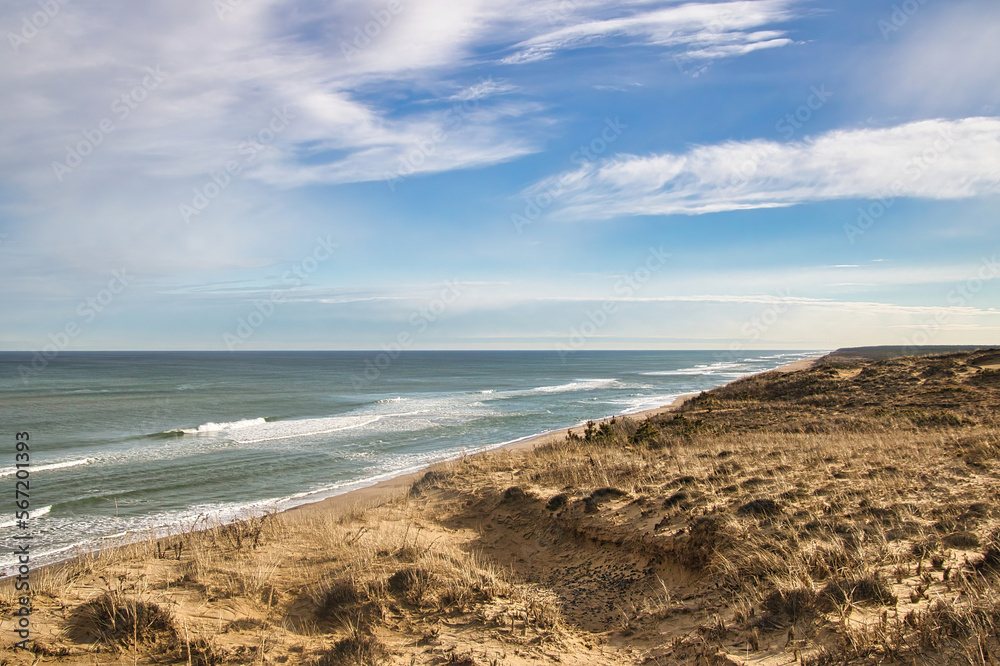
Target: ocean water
{"points": [[128, 444]]}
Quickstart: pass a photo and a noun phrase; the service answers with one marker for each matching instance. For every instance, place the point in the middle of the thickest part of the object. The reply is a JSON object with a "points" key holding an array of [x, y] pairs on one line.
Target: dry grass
{"points": [[117, 619], [837, 515], [358, 649]]}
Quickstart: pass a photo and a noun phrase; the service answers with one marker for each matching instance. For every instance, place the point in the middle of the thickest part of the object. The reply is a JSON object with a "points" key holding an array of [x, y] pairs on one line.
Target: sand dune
{"points": [[837, 511]]}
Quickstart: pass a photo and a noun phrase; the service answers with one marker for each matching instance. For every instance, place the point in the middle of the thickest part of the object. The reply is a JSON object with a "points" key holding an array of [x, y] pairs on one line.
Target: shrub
{"points": [[675, 499], [513, 494], [793, 603], [557, 502], [760, 507], [116, 619], [358, 649], [337, 598], [413, 583], [866, 589]]}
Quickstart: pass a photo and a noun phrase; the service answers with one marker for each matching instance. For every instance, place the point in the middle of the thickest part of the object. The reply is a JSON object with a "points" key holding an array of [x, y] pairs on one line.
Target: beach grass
{"points": [[841, 513]]}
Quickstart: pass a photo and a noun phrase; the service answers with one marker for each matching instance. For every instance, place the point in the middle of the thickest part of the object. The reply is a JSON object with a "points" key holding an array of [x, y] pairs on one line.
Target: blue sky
{"points": [[536, 174]]}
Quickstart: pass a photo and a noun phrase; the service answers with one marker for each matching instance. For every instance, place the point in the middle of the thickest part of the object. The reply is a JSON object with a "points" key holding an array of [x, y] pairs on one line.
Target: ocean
{"points": [[128, 444]]}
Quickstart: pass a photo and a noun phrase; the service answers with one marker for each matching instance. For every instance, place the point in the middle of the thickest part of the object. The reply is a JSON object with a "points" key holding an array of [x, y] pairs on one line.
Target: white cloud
{"points": [[695, 30], [934, 159], [222, 81], [486, 88], [328, 62]]}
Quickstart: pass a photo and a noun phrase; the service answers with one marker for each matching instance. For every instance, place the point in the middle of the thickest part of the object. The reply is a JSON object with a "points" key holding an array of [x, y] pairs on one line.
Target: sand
{"points": [[398, 486], [838, 514]]}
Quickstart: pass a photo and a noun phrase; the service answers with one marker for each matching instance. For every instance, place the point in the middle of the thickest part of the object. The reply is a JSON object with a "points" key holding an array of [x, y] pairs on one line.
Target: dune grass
{"points": [[841, 514]]}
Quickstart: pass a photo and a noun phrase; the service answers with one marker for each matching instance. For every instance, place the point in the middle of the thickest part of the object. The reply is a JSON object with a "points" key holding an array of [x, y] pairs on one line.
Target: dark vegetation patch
{"points": [[760, 507], [865, 589], [117, 619], [792, 604], [359, 649], [513, 494], [557, 502], [593, 502], [675, 499]]}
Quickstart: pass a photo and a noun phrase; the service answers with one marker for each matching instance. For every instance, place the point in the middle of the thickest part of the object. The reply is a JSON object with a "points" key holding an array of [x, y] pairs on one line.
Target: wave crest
{"points": [[706, 369], [578, 385], [223, 427], [35, 513], [45, 468]]}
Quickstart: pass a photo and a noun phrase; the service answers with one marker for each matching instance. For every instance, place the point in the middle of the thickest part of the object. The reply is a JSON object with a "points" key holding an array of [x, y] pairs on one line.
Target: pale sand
{"points": [[398, 486]]}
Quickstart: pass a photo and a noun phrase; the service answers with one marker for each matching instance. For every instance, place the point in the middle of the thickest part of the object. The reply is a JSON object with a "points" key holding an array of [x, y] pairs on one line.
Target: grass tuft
{"points": [[116, 619]]}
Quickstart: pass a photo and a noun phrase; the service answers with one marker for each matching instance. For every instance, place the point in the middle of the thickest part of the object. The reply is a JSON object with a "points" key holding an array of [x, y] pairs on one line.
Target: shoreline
{"points": [[396, 485], [761, 512], [400, 484]]}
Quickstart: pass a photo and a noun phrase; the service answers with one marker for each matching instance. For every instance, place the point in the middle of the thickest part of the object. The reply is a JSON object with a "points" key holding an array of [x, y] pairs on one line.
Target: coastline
{"points": [[765, 510], [399, 485], [387, 489]]}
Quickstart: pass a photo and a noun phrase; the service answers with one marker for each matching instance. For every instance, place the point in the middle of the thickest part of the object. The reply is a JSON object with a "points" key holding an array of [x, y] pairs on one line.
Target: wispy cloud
{"points": [[698, 30], [934, 159], [485, 88], [942, 61], [223, 77]]}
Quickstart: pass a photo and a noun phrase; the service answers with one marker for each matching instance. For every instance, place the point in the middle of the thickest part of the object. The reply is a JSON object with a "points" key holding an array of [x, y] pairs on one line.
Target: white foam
{"points": [[277, 430], [705, 369], [378, 417], [375, 422], [47, 468], [578, 385], [637, 404], [223, 427], [34, 513]]}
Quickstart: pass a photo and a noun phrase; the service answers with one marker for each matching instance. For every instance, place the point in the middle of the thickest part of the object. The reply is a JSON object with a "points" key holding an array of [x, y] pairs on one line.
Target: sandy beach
{"points": [[833, 512], [400, 485]]}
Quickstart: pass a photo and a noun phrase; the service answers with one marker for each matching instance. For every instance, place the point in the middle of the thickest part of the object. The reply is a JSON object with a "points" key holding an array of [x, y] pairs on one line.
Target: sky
{"points": [[498, 174]]}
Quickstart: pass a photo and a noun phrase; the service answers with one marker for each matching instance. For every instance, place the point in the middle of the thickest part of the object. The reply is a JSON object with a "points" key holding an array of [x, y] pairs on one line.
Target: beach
{"points": [[400, 485], [830, 512], [129, 444]]}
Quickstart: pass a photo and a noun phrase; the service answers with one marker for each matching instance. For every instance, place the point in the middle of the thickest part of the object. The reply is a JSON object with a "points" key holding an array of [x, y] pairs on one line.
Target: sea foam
{"points": [[46, 468], [224, 427]]}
